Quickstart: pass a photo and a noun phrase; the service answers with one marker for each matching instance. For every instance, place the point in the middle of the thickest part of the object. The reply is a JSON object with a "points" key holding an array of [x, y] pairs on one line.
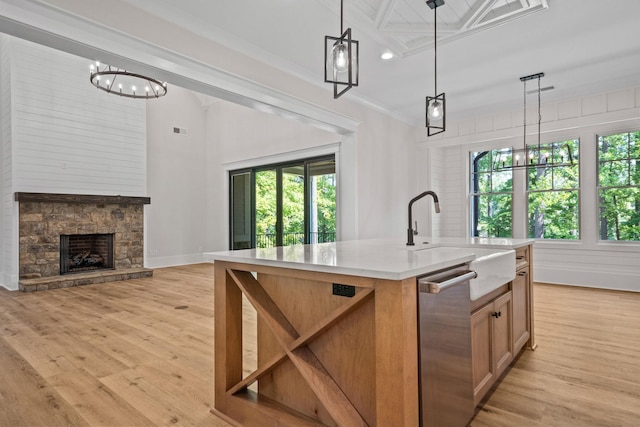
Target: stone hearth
{"points": [[44, 217]]}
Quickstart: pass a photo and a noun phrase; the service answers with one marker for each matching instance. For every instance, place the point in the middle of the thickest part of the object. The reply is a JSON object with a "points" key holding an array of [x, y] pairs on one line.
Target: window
{"points": [[619, 186], [284, 204], [554, 193], [491, 196]]}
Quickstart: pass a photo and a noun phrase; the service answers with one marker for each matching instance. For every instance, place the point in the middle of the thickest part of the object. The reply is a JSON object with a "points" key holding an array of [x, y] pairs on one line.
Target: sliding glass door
{"points": [[283, 204]]}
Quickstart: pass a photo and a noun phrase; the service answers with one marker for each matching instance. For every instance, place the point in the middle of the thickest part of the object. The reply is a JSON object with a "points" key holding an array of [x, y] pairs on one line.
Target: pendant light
{"points": [[341, 59], [435, 105], [533, 156], [124, 83]]}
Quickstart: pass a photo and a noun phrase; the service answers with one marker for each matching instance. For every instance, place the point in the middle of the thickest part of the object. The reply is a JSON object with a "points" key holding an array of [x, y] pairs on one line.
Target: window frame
{"points": [[278, 168], [473, 222], [600, 188], [578, 189]]}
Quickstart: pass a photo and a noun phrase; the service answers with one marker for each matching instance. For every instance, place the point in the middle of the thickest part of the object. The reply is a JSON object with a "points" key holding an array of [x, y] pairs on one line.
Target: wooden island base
{"points": [[337, 333], [322, 359]]}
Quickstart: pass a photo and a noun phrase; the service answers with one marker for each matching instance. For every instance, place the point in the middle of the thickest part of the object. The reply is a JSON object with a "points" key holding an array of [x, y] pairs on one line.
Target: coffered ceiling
{"points": [[584, 47], [407, 26]]}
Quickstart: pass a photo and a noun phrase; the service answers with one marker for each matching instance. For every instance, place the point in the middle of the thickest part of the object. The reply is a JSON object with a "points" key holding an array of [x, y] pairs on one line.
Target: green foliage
{"points": [[618, 182], [293, 206], [265, 202], [554, 203], [554, 215], [620, 214], [326, 203], [494, 216], [491, 194], [292, 203]]}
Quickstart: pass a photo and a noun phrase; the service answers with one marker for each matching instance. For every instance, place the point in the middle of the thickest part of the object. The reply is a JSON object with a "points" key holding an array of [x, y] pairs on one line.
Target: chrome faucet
{"points": [[410, 231]]}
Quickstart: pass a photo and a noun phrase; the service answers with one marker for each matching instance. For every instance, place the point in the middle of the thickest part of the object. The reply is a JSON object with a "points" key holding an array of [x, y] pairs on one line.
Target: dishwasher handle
{"points": [[437, 287]]}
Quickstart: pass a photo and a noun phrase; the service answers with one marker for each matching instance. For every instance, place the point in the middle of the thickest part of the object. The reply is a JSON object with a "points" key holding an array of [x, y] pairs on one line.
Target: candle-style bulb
{"points": [[340, 55], [435, 110]]}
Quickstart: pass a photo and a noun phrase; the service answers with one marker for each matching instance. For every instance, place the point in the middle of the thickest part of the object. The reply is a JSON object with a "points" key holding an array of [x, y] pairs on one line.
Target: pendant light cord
{"points": [[341, 15], [524, 119], [539, 114], [435, 50]]}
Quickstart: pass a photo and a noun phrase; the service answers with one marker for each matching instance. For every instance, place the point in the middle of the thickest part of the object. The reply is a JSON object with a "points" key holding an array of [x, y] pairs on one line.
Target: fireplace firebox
{"points": [[86, 252]]}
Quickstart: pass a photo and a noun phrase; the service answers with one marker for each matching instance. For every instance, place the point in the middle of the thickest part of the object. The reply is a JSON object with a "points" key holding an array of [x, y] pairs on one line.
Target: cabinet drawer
{"points": [[522, 257]]}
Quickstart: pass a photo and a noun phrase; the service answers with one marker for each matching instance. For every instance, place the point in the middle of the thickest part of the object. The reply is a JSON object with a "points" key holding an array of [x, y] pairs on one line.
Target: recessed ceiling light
{"points": [[386, 55]]}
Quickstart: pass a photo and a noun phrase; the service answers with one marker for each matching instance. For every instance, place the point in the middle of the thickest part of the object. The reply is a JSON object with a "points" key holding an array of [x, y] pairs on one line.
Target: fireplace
{"points": [[86, 252], [97, 238]]}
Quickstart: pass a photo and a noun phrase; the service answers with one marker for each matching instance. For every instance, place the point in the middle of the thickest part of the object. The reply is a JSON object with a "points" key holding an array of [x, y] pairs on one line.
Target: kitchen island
{"points": [[337, 330]]}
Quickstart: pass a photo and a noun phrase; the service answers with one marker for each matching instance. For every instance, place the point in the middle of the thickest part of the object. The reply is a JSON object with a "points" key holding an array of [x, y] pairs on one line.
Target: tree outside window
{"points": [[283, 204], [619, 186], [491, 195], [554, 193]]}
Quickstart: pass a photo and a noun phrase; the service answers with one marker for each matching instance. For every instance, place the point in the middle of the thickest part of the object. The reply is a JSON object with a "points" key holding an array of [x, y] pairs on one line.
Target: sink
{"points": [[494, 268]]}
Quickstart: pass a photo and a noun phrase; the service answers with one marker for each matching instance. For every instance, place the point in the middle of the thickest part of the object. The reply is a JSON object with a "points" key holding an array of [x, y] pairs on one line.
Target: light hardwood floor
{"points": [[129, 354]]}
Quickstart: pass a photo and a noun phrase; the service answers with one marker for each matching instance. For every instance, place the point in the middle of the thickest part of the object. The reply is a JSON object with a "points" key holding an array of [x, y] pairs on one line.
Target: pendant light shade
{"points": [[341, 60], [435, 105]]}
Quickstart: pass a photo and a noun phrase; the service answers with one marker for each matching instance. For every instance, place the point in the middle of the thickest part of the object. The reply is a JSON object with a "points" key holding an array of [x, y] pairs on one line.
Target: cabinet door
{"points": [[481, 337], [520, 294], [502, 332]]}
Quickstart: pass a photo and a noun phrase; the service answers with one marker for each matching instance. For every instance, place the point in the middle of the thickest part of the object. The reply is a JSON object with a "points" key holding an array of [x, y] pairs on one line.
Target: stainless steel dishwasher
{"points": [[445, 371]]}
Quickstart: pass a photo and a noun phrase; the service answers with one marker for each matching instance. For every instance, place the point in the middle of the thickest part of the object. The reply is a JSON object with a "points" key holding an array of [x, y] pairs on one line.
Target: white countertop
{"points": [[375, 258], [474, 242]]}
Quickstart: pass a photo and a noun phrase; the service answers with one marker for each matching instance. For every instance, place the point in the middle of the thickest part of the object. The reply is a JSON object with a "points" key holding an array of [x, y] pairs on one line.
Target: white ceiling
{"points": [[484, 46]]}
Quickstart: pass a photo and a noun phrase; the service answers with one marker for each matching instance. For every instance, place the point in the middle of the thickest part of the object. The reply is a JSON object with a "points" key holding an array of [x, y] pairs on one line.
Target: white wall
{"points": [[67, 136], [177, 181], [61, 135], [6, 245], [445, 166], [587, 262], [386, 175]]}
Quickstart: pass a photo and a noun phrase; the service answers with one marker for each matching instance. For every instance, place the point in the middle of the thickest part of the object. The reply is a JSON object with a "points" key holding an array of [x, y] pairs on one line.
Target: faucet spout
{"points": [[411, 202]]}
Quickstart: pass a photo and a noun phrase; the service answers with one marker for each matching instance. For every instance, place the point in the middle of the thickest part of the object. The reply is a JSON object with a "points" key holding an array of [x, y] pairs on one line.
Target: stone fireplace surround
{"points": [[43, 217]]}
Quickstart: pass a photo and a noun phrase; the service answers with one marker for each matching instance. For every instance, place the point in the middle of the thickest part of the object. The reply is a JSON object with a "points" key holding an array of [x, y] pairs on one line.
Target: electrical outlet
{"points": [[344, 290], [179, 130]]}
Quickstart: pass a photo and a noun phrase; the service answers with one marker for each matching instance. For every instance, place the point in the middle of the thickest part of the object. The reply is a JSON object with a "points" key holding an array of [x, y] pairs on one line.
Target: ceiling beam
{"points": [[421, 28], [49, 26], [384, 13], [476, 13]]}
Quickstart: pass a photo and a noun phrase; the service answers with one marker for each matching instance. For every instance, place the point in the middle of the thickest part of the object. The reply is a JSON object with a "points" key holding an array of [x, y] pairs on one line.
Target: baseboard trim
{"points": [[591, 278], [175, 260]]}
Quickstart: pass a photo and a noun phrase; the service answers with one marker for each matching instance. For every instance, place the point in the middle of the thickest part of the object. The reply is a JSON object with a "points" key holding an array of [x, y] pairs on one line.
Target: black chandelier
{"points": [[341, 60], [124, 83], [532, 156], [436, 105]]}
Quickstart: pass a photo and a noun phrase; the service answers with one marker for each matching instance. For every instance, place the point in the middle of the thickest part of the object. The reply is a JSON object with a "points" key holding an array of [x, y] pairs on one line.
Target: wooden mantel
{"points": [[80, 198]]}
